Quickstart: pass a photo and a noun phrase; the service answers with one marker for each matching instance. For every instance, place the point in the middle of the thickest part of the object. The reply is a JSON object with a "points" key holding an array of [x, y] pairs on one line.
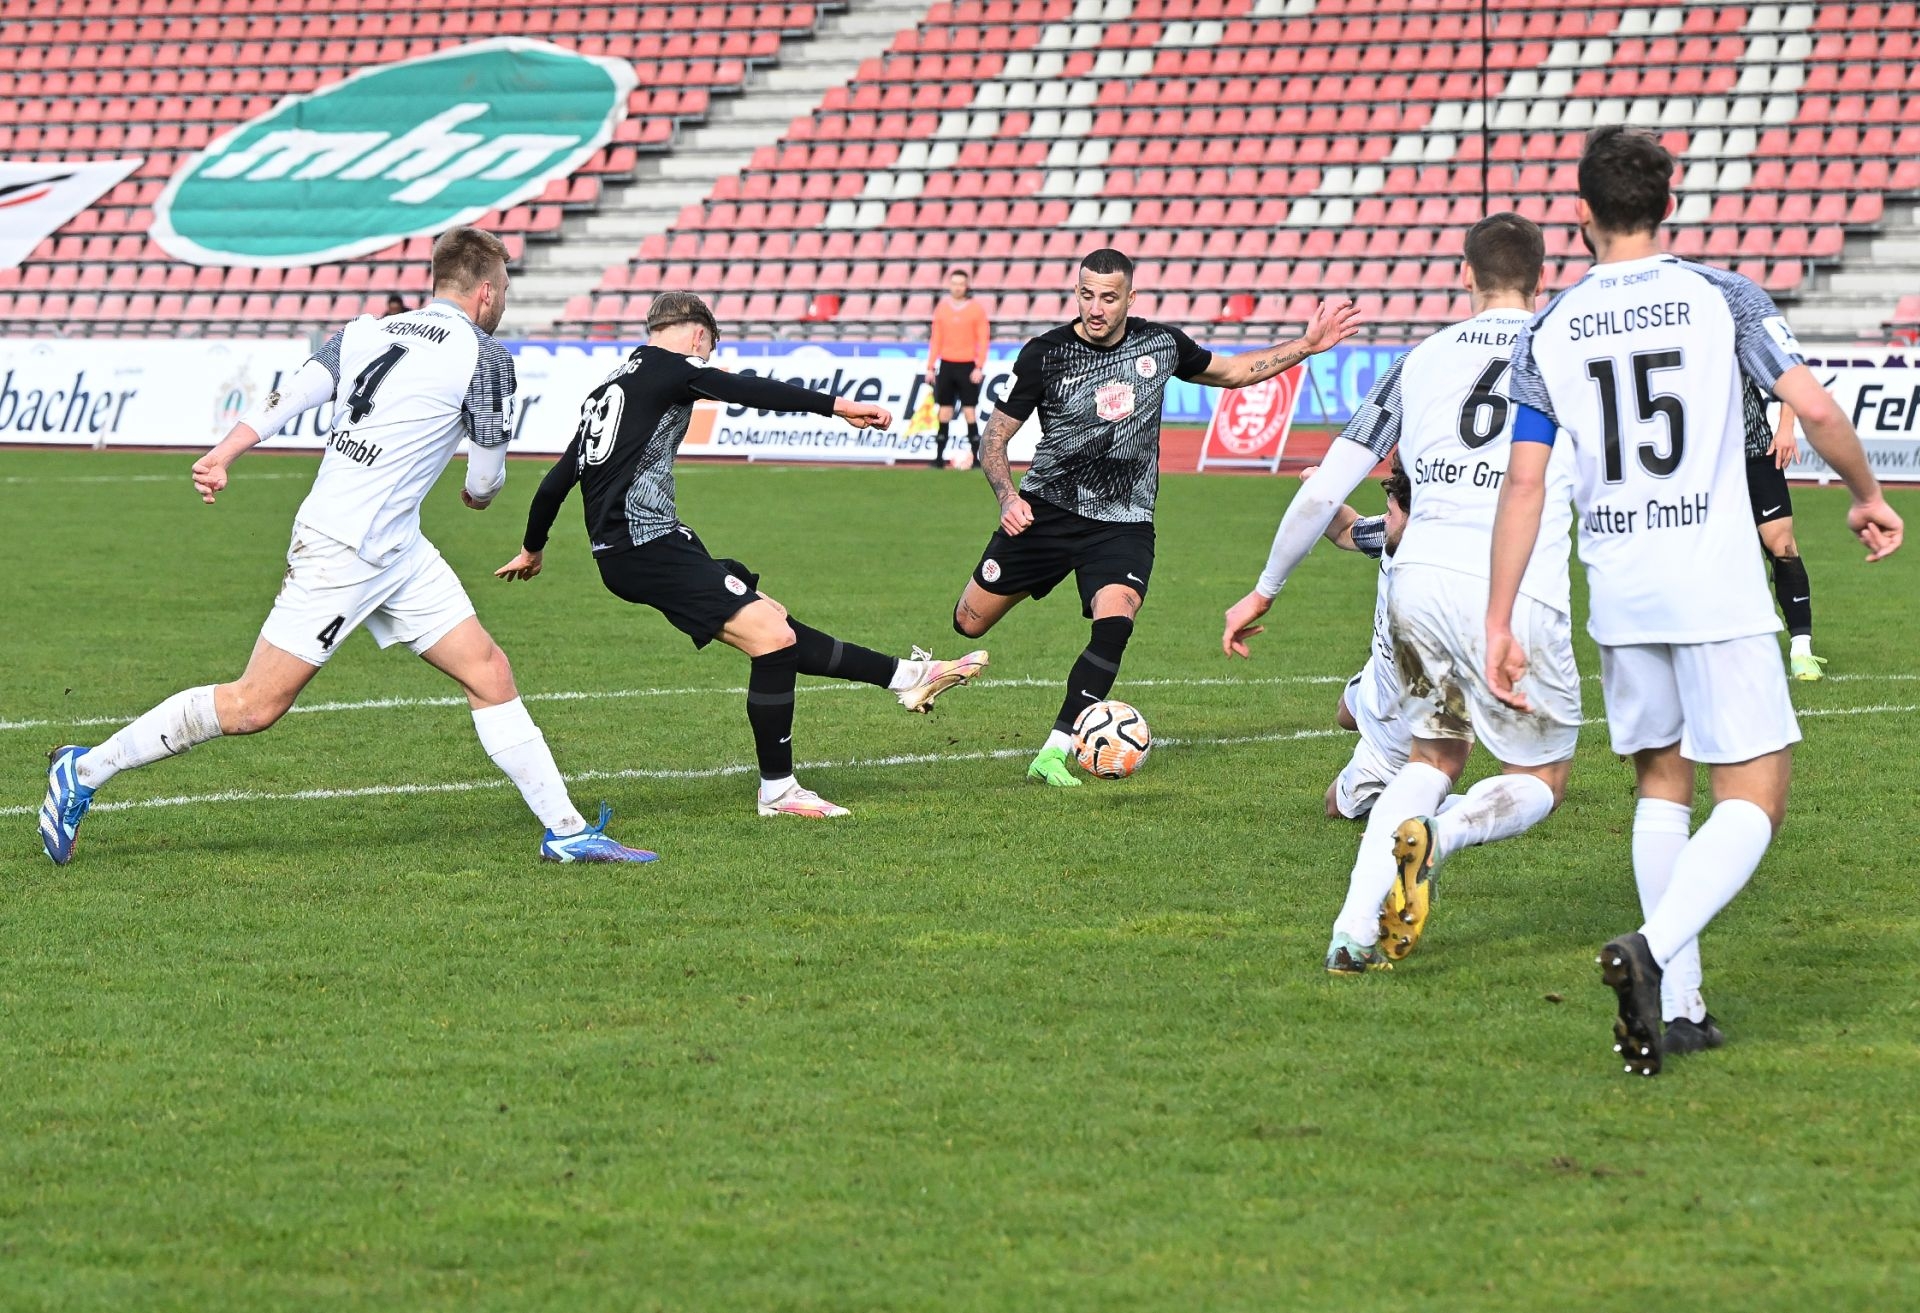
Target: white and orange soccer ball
{"points": [[1111, 740]]}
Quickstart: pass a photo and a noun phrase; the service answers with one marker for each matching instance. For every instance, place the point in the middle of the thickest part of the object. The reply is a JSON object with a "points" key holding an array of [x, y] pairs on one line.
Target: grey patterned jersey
{"points": [[1753, 405], [1370, 535], [1099, 453]]}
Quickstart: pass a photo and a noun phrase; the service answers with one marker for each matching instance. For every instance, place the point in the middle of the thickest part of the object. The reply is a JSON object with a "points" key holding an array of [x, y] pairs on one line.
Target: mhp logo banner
{"points": [[392, 152]]}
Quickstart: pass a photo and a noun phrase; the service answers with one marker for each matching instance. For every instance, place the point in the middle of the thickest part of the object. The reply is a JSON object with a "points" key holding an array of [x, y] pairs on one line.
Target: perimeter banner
{"points": [[1879, 389]]}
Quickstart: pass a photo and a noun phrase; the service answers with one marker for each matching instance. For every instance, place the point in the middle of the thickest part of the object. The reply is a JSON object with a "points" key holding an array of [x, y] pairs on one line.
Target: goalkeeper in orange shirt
{"points": [[957, 361]]}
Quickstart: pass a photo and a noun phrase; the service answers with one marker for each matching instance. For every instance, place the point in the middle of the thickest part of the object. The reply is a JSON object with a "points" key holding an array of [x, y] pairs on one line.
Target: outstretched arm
{"points": [[758, 393], [313, 384], [1015, 514], [1873, 522], [1332, 323], [547, 501]]}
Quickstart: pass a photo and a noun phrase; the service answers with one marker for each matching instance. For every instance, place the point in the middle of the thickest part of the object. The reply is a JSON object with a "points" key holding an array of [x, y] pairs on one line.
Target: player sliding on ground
{"points": [[1445, 407], [1085, 507], [631, 427], [1370, 702], [1639, 366], [416, 383]]}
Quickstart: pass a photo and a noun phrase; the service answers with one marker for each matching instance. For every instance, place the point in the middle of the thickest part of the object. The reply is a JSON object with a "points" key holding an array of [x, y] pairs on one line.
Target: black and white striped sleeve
{"points": [[1376, 422], [1762, 342], [328, 356], [1370, 535], [489, 404]]}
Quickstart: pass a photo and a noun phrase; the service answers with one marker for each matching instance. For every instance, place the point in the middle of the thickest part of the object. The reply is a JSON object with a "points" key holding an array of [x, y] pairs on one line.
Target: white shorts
{"points": [[1437, 619], [329, 592], [1380, 755], [1721, 702]]}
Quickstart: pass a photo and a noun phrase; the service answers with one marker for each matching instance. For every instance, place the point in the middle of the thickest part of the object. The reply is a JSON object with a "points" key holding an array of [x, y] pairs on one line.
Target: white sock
{"points": [[517, 747], [168, 730], [1714, 866], [1415, 791], [1496, 808], [1660, 830], [906, 674], [1801, 645], [1448, 803], [771, 789], [1060, 739]]}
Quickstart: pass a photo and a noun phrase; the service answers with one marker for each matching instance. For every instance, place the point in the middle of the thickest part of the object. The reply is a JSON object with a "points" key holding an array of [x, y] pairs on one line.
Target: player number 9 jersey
{"points": [[1640, 364]]}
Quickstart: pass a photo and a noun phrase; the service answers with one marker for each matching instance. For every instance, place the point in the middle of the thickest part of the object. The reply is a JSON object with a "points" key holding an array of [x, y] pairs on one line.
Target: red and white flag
{"points": [[35, 199]]}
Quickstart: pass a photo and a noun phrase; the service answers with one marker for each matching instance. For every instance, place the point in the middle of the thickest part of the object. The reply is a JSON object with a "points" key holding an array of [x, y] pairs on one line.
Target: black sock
{"points": [[770, 710], [1794, 593], [1092, 676], [973, 436], [823, 654]]}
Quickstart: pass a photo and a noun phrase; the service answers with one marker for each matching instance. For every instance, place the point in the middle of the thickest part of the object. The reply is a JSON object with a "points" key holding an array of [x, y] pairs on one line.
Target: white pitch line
{"points": [[641, 773], [626, 694], [384, 704], [181, 479], [715, 772]]}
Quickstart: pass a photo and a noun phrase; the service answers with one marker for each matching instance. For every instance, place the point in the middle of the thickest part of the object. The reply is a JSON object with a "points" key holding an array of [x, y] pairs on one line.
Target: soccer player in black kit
{"points": [[1085, 507], [622, 455]]}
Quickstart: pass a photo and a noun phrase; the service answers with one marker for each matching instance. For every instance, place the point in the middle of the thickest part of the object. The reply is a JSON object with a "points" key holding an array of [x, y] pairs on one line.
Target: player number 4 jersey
{"points": [[1640, 364], [1446, 406], [407, 389]]}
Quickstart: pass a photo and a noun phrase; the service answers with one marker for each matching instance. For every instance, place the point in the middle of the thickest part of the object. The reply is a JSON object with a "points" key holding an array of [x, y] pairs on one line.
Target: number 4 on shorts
{"points": [[331, 634]]}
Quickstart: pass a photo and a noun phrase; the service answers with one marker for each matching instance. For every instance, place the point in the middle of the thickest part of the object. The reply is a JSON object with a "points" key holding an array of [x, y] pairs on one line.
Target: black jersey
{"points": [[1099, 410], [1753, 414], [631, 426]]}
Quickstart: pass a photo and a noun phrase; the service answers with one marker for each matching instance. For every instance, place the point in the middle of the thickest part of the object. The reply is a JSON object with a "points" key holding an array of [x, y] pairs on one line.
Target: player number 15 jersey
{"points": [[1640, 364]]}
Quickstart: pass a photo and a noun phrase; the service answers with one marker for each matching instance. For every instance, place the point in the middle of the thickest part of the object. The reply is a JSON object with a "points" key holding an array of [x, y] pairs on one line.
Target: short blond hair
{"points": [[463, 258]]}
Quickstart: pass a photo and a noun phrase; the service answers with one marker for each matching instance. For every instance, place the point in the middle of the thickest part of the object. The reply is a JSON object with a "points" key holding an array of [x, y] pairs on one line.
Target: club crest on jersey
{"points": [[736, 586], [1113, 401], [1147, 366], [990, 570]]}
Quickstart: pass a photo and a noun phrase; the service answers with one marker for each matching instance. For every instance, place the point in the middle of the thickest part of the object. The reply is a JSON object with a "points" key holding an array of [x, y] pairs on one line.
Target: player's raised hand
{"points": [[524, 566], [1333, 322], [209, 477], [1240, 624], [1506, 667], [863, 414], [1015, 515], [1874, 523]]}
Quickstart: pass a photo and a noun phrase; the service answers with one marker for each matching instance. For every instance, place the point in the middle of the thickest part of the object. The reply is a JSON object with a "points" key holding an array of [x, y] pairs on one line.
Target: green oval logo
{"points": [[392, 152]]}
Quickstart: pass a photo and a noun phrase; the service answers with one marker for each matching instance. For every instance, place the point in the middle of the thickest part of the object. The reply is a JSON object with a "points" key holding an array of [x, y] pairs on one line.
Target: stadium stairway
{"points": [[849, 33], [1860, 296]]}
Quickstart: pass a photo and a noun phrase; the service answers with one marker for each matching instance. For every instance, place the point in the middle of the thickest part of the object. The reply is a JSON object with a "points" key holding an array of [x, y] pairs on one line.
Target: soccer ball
{"points": [[963, 458], [1111, 739]]}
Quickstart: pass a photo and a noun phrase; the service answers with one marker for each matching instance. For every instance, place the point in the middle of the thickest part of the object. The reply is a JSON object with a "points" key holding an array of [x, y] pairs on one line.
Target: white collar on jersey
{"points": [[451, 305]]}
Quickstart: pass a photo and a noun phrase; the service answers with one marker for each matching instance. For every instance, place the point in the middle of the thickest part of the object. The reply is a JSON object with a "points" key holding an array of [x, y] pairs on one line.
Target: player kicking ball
{"points": [[1085, 507], [631, 427], [416, 383], [1444, 408], [1637, 368]]}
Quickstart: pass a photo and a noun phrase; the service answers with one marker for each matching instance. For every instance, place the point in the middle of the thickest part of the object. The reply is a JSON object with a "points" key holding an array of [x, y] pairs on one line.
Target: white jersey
{"points": [[407, 389], [1379, 687], [1446, 405], [1640, 364]]}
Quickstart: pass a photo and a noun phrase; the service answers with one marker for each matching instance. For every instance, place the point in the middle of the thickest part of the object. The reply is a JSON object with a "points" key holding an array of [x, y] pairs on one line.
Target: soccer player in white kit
{"points": [[407, 388], [1639, 366], [1444, 406], [1370, 702]]}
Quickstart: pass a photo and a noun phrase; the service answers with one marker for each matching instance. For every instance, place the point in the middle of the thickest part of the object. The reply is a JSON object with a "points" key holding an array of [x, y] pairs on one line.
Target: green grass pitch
{"points": [[982, 1046]]}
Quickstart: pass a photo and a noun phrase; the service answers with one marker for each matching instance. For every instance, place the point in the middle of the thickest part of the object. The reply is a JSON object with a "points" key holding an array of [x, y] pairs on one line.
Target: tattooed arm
{"points": [[1333, 322], [1015, 514]]}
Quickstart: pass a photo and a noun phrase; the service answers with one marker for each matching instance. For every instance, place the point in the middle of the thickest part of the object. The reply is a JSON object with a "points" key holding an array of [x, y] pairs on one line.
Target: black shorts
{"points": [[675, 576], [1767, 487], [1059, 543], [953, 383]]}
